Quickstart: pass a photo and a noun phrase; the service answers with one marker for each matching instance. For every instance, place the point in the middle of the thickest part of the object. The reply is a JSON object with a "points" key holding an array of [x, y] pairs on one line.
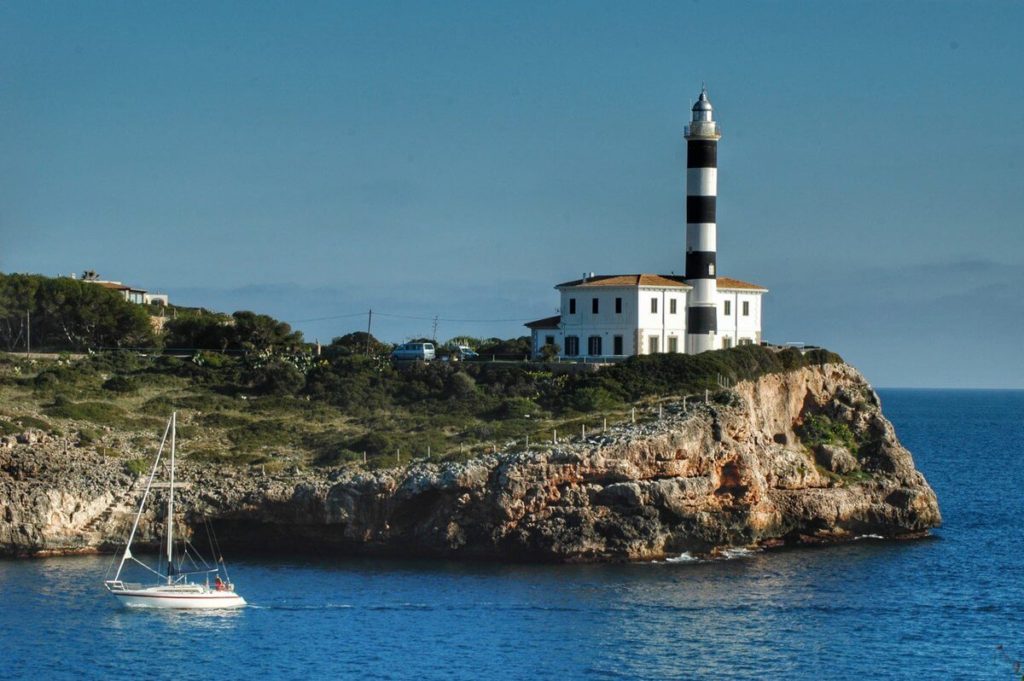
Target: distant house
{"points": [[130, 293]]}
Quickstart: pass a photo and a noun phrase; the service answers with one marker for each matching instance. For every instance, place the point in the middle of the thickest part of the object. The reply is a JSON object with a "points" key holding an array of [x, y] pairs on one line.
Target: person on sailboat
{"points": [[219, 584]]}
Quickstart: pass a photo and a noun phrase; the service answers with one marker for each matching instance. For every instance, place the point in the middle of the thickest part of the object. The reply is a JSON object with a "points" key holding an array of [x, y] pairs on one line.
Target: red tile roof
{"points": [[726, 282], [658, 280], [655, 280]]}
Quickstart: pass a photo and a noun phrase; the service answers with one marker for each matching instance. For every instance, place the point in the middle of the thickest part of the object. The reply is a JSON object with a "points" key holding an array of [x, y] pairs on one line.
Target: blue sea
{"points": [[951, 606]]}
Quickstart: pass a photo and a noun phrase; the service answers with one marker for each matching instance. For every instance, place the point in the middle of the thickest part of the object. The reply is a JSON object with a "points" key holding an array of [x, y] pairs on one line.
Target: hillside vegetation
{"points": [[292, 408], [250, 391]]}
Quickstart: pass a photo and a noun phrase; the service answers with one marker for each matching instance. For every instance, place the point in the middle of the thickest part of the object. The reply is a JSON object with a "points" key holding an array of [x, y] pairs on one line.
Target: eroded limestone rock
{"points": [[711, 477]]}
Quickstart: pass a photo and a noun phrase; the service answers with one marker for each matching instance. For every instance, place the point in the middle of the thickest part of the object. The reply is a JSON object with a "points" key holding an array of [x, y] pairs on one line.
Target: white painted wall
{"points": [[662, 324], [637, 324], [736, 326], [606, 324]]}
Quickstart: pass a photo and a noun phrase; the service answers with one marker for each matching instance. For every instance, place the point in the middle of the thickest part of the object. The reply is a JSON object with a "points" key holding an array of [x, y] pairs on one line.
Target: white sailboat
{"points": [[175, 589]]}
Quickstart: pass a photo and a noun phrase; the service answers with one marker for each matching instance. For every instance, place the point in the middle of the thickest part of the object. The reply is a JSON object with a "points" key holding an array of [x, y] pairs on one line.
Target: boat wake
{"points": [[322, 606]]}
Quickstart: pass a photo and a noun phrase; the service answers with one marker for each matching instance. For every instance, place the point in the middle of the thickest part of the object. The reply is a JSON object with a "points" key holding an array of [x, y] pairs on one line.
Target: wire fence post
{"points": [[583, 431], [632, 416], [554, 436]]}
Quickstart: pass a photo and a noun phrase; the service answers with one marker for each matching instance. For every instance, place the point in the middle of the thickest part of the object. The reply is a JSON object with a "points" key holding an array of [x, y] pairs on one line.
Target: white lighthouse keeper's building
{"points": [[619, 315]]}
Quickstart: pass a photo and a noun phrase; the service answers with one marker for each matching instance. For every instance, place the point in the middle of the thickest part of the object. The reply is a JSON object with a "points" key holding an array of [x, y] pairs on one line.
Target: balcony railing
{"points": [[703, 129]]}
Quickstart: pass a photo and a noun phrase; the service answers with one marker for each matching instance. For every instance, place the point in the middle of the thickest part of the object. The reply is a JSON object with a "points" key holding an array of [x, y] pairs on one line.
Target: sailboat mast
{"points": [[170, 505], [142, 504]]}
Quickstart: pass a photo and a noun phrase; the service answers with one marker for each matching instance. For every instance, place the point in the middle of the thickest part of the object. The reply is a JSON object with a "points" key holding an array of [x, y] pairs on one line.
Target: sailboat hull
{"points": [[191, 597], [177, 593]]}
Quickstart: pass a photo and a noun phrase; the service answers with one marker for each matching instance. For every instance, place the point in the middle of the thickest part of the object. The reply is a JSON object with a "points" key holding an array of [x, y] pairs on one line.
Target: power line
{"points": [[324, 319], [445, 319], [403, 316]]}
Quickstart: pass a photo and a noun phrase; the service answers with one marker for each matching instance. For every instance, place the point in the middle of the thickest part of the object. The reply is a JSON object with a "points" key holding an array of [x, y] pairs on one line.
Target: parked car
{"points": [[414, 351], [464, 352]]}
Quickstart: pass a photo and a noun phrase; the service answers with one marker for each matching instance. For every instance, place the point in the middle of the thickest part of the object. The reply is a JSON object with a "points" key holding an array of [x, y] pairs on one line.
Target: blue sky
{"points": [[457, 160]]}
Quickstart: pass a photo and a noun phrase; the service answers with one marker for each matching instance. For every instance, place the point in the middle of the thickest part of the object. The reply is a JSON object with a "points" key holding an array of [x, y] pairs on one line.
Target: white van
{"points": [[413, 351]]}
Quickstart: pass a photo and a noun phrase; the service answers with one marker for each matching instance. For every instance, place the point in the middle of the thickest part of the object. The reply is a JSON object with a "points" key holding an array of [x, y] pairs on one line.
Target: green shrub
{"points": [[137, 466], [819, 429], [120, 384], [727, 398], [222, 420], [158, 406], [517, 408], [88, 436], [338, 457], [8, 428], [33, 422], [45, 380], [592, 399], [378, 444], [259, 434], [277, 377], [550, 352], [227, 457]]}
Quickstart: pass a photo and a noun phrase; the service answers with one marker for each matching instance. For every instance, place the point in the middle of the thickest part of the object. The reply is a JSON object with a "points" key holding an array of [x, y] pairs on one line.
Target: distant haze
{"points": [[316, 160]]}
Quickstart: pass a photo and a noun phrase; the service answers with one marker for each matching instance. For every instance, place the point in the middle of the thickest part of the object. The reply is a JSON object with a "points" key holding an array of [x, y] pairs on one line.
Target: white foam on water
{"points": [[684, 557], [735, 553], [868, 536]]}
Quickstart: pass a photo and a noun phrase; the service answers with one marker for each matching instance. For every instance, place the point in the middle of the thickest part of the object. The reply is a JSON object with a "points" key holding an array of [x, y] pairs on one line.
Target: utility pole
{"points": [[28, 332], [369, 324], [433, 335]]}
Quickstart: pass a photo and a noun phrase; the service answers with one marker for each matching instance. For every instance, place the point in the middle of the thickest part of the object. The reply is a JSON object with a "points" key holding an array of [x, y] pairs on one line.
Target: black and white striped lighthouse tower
{"points": [[702, 137]]}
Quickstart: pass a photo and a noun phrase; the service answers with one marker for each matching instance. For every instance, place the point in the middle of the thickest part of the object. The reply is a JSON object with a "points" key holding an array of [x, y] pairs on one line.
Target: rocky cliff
{"points": [[746, 469]]}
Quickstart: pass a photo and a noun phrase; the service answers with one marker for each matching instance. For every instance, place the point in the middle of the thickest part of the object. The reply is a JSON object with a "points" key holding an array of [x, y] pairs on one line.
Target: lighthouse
{"points": [[702, 137], [612, 316]]}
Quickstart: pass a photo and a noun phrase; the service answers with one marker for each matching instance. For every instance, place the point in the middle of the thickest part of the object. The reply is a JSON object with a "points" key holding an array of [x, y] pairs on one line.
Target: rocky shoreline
{"points": [[732, 473]]}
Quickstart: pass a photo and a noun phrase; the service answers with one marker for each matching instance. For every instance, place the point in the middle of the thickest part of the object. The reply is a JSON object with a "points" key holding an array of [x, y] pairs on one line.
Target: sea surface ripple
{"points": [[936, 608]]}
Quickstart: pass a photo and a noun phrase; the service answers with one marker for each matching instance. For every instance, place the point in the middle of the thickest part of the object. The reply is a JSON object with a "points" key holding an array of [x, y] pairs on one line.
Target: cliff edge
{"points": [[804, 456]]}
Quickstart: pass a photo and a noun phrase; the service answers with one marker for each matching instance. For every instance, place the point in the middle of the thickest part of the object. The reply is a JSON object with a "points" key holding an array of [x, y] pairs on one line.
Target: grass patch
{"points": [[101, 413], [34, 422], [223, 420], [219, 456], [259, 434]]}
